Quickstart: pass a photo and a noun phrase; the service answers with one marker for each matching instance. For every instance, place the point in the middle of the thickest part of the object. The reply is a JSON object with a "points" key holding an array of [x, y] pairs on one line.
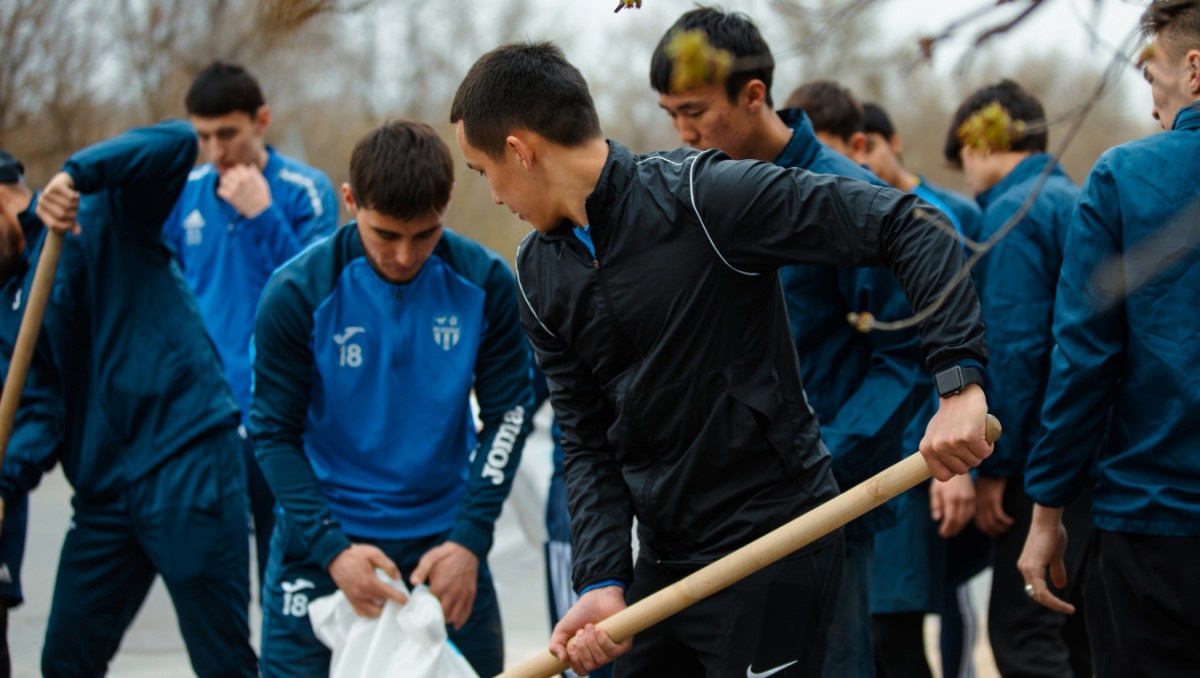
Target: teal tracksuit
{"points": [[148, 423]]}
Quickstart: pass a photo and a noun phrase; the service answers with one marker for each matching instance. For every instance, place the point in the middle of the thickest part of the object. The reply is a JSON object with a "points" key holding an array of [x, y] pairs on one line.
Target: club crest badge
{"points": [[446, 331]]}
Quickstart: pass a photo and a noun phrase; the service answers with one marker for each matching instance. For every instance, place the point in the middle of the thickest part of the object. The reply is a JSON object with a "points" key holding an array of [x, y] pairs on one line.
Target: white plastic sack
{"points": [[405, 641]]}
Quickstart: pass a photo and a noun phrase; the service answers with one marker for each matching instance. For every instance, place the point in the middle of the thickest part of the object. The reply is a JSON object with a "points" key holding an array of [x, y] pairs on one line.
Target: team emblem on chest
{"points": [[446, 331], [192, 227]]}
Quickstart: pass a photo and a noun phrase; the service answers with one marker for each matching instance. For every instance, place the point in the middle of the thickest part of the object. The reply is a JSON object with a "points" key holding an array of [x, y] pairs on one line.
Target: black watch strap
{"points": [[955, 378]]}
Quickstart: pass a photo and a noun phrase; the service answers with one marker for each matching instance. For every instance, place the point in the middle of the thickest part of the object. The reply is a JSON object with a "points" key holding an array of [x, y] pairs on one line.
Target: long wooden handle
{"points": [[31, 324], [752, 557]]}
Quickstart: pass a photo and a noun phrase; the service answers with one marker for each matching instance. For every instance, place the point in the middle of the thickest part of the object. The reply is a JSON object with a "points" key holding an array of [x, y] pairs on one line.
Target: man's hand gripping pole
{"points": [[752, 557]]}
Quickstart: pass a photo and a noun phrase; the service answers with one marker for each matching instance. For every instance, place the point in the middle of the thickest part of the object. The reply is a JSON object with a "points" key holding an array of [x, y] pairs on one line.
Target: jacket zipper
{"points": [[656, 467]]}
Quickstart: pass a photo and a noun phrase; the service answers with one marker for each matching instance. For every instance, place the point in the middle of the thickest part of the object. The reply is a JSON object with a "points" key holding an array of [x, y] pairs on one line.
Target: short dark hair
{"points": [[1176, 23], [530, 86], [730, 31], [402, 170], [876, 121], [221, 89], [1020, 106], [830, 107]]}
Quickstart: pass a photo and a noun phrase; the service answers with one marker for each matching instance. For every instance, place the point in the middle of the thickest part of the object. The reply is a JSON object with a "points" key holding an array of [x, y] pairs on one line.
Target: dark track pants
{"points": [[850, 652], [185, 521], [1143, 605], [1028, 639], [776, 621], [262, 510], [290, 649]]}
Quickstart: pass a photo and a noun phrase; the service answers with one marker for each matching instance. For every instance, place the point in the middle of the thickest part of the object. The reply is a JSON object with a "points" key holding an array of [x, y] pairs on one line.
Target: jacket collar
{"points": [[614, 181], [803, 147], [1027, 169], [272, 166], [1188, 118]]}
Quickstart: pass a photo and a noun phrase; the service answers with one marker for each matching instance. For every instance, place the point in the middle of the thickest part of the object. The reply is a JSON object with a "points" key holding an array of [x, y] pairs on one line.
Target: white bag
{"points": [[405, 641]]}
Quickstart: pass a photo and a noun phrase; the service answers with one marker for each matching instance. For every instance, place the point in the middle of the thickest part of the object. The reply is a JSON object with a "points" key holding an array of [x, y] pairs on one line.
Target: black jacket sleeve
{"points": [[598, 499], [760, 217]]}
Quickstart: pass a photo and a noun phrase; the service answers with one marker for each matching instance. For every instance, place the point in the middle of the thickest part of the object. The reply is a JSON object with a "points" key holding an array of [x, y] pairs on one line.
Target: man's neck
{"points": [[262, 157], [769, 138], [1001, 165], [573, 174]]}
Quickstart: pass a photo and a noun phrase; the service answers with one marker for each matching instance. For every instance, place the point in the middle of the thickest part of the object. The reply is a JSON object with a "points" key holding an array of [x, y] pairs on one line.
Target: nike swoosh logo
{"points": [[751, 673]]}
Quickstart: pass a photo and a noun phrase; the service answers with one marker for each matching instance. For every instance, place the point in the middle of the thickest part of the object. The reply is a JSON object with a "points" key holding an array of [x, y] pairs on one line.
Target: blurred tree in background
{"points": [[75, 71]]}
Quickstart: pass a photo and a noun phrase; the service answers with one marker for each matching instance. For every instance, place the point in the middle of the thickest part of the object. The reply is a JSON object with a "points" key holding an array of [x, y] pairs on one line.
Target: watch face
{"points": [[949, 381]]}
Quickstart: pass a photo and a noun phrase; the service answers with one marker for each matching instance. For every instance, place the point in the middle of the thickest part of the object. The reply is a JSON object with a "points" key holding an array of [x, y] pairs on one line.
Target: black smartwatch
{"points": [[952, 380]]}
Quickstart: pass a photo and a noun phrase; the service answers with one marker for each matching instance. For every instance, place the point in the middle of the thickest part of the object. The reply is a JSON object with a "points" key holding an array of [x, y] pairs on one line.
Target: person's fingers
{"points": [[936, 505], [956, 517], [594, 655], [459, 610], [1042, 594], [379, 559], [987, 524], [937, 468], [421, 572], [980, 449], [558, 642], [1002, 518], [611, 648], [389, 592], [366, 608], [575, 655], [1058, 573]]}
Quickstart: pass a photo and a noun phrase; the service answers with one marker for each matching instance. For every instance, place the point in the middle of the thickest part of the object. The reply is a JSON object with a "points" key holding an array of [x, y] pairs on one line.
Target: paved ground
{"points": [[153, 648]]}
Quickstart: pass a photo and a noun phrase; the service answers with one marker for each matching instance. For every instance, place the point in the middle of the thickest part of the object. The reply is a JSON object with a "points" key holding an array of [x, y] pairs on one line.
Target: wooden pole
{"points": [[752, 557], [31, 324]]}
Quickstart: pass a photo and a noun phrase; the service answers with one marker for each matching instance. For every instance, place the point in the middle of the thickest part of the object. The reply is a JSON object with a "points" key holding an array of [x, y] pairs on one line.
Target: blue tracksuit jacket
{"points": [[126, 354], [1016, 291], [1129, 366], [962, 211], [38, 428], [360, 414], [227, 258], [865, 388]]}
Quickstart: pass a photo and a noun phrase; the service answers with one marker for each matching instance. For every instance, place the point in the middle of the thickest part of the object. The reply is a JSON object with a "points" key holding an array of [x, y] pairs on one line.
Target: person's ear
{"points": [[1193, 72], [262, 119], [348, 198], [858, 144], [522, 148], [753, 95]]}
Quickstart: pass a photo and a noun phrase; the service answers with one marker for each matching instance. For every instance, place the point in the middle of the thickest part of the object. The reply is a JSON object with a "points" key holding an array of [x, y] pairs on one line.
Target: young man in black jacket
{"points": [[650, 291]]}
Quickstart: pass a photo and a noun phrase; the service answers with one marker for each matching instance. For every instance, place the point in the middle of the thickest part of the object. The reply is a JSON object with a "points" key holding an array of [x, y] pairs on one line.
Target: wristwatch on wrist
{"points": [[954, 379]]}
